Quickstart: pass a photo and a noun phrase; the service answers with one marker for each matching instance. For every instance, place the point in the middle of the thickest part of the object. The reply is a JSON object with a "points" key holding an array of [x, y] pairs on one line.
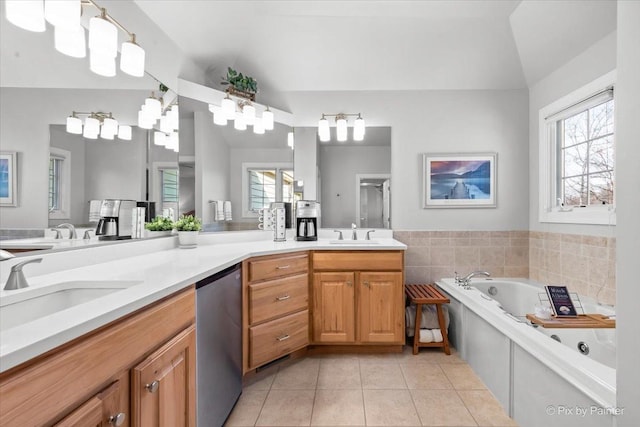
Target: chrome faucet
{"points": [[71, 228], [466, 279], [368, 234], [16, 278], [339, 234], [87, 235], [58, 233], [354, 235]]}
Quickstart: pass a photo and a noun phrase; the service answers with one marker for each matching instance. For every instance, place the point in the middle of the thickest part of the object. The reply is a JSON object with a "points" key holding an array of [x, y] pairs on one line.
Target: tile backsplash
{"points": [[586, 264]]}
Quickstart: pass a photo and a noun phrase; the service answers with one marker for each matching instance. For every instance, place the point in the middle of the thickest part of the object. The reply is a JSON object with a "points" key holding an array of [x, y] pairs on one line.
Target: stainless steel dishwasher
{"points": [[218, 345]]}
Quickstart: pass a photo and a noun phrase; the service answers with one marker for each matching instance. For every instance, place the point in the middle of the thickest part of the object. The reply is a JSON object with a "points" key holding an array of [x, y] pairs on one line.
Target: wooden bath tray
{"points": [[582, 321]]}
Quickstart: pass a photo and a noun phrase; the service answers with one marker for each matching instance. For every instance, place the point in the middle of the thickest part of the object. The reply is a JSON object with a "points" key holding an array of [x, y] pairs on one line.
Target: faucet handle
{"points": [[339, 234], [58, 233], [16, 278], [87, 235], [368, 236]]}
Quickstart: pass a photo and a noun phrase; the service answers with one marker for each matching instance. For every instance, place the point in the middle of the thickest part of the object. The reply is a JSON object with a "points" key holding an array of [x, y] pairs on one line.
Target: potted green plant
{"points": [[240, 85], [188, 228], [159, 226]]}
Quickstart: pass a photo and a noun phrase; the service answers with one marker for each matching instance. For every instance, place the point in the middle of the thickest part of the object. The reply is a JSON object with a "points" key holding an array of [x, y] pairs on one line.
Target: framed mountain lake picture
{"points": [[459, 180], [8, 179]]}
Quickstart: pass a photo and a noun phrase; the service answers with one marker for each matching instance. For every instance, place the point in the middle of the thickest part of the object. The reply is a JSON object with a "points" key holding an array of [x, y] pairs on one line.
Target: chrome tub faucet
{"points": [[467, 279]]}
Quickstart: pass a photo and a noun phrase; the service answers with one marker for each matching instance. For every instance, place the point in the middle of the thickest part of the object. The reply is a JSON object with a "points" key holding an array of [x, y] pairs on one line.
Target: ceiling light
{"points": [[290, 140], [228, 108], [103, 36], [63, 13], [267, 119], [132, 58], [26, 14], [239, 123], [124, 132], [74, 124], [323, 129], [258, 126], [341, 128], [101, 64], [70, 41]]}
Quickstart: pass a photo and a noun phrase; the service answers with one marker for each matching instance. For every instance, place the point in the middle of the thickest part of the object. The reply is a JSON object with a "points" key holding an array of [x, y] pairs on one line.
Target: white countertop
{"points": [[160, 274]]}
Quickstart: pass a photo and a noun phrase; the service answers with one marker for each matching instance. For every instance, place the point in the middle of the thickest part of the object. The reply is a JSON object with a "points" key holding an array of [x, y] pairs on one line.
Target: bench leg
{"points": [[443, 329], [416, 334]]}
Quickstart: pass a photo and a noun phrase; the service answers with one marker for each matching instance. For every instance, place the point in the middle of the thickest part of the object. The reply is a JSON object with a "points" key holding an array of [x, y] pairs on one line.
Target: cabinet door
{"points": [[163, 385], [381, 307], [333, 307], [108, 408]]}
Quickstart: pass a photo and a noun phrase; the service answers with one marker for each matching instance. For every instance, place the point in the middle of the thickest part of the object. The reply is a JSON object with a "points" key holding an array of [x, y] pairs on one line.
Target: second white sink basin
{"points": [[31, 304], [353, 242]]}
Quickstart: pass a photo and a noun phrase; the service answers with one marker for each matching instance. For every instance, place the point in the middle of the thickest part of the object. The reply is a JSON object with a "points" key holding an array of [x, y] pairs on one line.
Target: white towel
{"points": [[429, 318], [427, 335], [227, 210], [94, 210], [218, 210]]}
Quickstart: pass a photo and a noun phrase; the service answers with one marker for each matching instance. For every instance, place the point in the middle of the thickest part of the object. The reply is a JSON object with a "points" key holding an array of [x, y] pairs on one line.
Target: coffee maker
{"points": [[116, 218], [307, 214]]}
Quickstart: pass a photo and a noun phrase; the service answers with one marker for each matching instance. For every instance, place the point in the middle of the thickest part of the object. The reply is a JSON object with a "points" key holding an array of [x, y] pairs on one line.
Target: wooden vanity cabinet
{"points": [[275, 301], [358, 297], [106, 377]]}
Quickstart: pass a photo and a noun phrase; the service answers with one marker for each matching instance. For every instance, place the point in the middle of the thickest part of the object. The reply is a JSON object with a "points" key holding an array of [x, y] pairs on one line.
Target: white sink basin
{"points": [[353, 242], [35, 303]]}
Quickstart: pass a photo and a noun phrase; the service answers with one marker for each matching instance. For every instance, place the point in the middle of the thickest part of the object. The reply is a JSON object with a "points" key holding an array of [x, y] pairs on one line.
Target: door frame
{"points": [[359, 178]]}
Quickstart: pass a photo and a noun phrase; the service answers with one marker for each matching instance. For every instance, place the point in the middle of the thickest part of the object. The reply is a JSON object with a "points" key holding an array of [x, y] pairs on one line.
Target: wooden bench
{"points": [[428, 294]]}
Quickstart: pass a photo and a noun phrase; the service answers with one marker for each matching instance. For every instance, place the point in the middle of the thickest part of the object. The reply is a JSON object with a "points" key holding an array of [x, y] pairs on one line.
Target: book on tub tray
{"points": [[560, 300]]}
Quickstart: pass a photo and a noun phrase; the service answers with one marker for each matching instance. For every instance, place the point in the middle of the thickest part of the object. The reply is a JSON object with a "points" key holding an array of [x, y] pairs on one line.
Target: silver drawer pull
{"points": [[118, 419], [284, 337], [283, 298], [153, 387], [282, 267]]}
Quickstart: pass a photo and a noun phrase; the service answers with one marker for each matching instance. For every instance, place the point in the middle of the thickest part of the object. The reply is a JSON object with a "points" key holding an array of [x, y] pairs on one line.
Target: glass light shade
{"points": [[105, 134], [92, 125], [249, 114], [26, 14], [62, 13], [143, 121], [74, 125], [174, 117], [165, 125], [290, 140], [103, 37], [173, 141], [219, 118], [102, 65], [124, 132], [358, 129], [148, 114], [132, 59], [70, 41], [258, 127], [267, 119], [341, 130], [160, 138], [228, 108], [239, 123], [323, 130], [153, 108], [89, 135], [110, 126]]}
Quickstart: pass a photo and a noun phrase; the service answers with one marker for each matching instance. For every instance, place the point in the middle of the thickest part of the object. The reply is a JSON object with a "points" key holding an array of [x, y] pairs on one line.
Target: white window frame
{"points": [[246, 213], [65, 184], [549, 211]]}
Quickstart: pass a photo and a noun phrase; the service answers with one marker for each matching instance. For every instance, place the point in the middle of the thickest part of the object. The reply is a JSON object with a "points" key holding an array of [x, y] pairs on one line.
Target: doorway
{"points": [[373, 200]]}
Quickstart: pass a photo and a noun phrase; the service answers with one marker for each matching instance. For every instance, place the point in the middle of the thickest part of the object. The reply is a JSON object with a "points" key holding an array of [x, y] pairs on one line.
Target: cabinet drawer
{"points": [[268, 300], [364, 260], [278, 337], [269, 268]]}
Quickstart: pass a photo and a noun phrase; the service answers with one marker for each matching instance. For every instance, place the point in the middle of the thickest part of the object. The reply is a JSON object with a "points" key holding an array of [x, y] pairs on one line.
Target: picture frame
{"points": [[459, 180], [8, 178]]}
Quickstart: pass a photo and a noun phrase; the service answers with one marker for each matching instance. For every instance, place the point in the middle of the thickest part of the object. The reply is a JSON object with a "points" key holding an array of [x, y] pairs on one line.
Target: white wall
{"points": [[628, 206], [596, 61], [338, 168], [434, 122]]}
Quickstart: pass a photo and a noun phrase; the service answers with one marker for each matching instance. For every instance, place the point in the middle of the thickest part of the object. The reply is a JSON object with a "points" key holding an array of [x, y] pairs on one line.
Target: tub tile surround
{"points": [[426, 390], [584, 263]]}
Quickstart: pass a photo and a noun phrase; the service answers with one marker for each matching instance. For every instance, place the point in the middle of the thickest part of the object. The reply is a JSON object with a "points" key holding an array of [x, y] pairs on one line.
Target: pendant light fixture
{"points": [[124, 132], [267, 119], [63, 13], [341, 127], [70, 41], [132, 58], [74, 124], [228, 108], [26, 14]]}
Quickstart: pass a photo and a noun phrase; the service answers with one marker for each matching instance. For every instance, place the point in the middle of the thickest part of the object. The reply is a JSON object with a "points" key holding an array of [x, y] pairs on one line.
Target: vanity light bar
{"points": [[97, 124], [246, 115], [324, 132]]}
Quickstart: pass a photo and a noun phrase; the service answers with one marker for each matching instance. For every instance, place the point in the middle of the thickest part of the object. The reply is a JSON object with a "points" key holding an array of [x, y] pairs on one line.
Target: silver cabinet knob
{"points": [[153, 387], [118, 419]]}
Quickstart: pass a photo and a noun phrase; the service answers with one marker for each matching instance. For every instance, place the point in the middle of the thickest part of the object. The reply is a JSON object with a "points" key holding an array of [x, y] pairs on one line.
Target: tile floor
{"points": [[429, 389]]}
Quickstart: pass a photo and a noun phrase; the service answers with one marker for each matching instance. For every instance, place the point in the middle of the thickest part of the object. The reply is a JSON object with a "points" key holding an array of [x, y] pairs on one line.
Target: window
{"points": [[267, 183], [169, 180], [59, 183], [577, 156]]}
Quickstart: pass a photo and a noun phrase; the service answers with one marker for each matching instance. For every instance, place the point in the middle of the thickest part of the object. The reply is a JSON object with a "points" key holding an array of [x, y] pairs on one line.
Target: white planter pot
{"points": [[188, 239], [152, 234]]}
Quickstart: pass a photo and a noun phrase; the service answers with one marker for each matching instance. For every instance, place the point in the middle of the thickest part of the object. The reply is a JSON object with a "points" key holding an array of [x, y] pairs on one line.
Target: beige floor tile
{"points": [[441, 408], [287, 408], [261, 381], [339, 374], [390, 408], [385, 376], [462, 377], [485, 409], [338, 408], [378, 358], [302, 374], [428, 355], [426, 376], [248, 408]]}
